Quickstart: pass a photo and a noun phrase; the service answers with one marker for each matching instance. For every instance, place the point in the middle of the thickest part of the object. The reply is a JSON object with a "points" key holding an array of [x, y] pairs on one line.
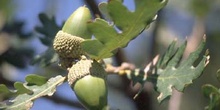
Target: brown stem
{"points": [[93, 6], [154, 35], [143, 101], [119, 69]]}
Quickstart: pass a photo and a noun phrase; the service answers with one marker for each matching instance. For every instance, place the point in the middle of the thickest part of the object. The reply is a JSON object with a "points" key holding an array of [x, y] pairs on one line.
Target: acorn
{"points": [[88, 80], [86, 77], [67, 41], [76, 24]]}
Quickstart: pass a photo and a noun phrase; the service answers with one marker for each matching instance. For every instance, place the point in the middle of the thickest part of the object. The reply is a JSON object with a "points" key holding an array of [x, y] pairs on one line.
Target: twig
{"points": [[119, 69], [92, 5], [148, 68], [127, 68], [154, 35]]}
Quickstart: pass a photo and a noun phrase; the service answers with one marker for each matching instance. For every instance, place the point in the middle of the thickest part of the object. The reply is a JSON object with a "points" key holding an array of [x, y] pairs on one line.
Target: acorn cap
{"points": [[67, 45]]}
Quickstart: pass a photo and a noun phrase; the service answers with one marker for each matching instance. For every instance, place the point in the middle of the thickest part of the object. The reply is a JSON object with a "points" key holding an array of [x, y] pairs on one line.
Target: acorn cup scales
{"points": [[67, 45]]}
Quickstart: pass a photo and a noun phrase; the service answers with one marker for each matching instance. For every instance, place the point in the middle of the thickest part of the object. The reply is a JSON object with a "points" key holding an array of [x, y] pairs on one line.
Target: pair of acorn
{"points": [[86, 76]]}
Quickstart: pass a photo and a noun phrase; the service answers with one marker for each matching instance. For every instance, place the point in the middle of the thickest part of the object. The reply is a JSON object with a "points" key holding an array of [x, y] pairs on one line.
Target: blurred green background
{"points": [[19, 43]]}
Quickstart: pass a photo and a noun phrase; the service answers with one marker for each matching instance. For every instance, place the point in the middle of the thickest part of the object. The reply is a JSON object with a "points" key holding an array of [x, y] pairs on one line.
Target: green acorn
{"points": [[86, 77], [88, 80], [76, 24], [67, 41]]}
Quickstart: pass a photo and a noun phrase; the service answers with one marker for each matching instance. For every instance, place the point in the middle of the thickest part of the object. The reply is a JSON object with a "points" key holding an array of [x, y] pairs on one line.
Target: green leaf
{"points": [[129, 24], [213, 94], [103, 9], [46, 58], [21, 89], [36, 79], [7, 8], [218, 75], [5, 93], [48, 29], [201, 7], [169, 74], [25, 101], [167, 56]]}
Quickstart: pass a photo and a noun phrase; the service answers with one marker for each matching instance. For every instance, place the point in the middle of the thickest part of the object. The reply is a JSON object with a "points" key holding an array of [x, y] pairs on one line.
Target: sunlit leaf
{"points": [[25, 101], [169, 74], [129, 25], [20, 88]]}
